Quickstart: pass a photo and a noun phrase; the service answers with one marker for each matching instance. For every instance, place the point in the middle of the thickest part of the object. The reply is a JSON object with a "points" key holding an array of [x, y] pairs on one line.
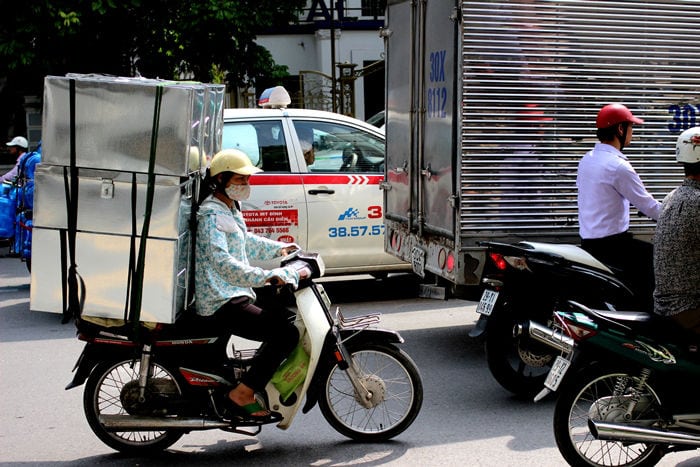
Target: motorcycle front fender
{"points": [[480, 326], [371, 335]]}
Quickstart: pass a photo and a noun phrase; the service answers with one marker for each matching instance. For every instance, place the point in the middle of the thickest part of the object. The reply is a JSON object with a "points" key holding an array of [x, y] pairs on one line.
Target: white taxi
{"points": [[320, 185]]}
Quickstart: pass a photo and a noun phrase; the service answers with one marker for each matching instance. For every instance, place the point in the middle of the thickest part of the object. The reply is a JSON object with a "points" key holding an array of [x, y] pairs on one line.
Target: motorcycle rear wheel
{"points": [[519, 366], [392, 377], [593, 392], [104, 395]]}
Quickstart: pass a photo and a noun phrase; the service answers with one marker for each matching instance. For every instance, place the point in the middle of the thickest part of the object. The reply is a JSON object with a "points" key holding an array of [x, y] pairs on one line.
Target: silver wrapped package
{"points": [[114, 123], [105, 202], [103, 264], [115, 134]]}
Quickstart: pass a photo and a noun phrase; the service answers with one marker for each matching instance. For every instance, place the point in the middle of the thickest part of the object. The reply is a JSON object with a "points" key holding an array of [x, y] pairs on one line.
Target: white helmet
{"points": [[688, 146]]}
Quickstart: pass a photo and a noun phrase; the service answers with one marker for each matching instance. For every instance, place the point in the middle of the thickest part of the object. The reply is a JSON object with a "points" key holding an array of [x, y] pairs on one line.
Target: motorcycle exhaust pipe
{"points": [[620, 432], [135, 423], [551, 337]]}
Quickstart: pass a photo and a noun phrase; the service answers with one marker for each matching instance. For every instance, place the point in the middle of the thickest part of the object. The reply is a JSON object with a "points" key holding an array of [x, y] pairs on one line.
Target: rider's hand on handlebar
{"points": [[304, 273], [276, 281], [288, 250]]}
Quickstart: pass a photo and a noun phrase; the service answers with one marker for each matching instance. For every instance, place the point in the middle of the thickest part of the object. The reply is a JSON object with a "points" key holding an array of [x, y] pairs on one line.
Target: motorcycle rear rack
{"points": [[357, 322]]}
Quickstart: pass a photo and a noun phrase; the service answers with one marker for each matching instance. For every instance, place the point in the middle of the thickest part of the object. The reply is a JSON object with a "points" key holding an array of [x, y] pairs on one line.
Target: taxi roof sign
{"points": [[274, 98]]}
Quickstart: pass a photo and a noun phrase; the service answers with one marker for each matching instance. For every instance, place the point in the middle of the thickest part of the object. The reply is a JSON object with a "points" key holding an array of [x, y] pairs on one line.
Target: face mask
{"points": [[238, 192]]}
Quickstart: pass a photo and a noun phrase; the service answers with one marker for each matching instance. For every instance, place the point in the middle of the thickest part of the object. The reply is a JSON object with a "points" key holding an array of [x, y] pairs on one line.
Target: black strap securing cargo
{"points": [[132, 246], [64, 269], [138, 275], [76, 295], [189, 299]]}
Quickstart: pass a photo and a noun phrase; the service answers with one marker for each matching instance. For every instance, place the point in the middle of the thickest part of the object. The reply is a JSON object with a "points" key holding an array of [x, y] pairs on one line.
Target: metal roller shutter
{"points": [[535, 74]]}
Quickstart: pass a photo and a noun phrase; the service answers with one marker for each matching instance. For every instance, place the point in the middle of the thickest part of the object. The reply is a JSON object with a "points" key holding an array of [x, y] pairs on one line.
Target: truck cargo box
{"points": [[491, 104]]}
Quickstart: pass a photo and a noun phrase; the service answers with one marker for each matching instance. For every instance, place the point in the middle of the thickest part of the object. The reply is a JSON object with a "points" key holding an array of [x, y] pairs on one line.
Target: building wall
{"points": [[307, 45]]}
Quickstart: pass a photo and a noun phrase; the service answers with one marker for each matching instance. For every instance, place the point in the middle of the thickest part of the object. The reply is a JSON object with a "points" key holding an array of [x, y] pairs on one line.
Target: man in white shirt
{"points": [[607, 185]]}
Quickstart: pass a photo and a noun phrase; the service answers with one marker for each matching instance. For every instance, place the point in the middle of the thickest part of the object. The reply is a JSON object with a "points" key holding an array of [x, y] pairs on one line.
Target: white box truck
{"points": [[491, 104]]}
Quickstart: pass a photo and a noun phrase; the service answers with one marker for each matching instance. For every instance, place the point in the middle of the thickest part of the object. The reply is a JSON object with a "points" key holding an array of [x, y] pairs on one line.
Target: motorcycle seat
{"points": [[190, 325], [187, 326], [660, 327], [626, 316]]}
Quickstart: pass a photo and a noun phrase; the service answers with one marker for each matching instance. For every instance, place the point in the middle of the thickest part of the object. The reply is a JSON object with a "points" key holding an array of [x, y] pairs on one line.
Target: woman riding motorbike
{"points": [[224, 280]]}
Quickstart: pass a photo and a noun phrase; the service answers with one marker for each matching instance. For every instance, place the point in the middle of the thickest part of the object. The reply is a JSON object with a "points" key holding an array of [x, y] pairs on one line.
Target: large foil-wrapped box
{"points": [[115, 126], [119, 121]]}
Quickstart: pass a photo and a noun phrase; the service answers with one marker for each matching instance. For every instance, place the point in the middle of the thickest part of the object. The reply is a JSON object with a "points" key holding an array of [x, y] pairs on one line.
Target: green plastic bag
{"points": [[292, 372]]}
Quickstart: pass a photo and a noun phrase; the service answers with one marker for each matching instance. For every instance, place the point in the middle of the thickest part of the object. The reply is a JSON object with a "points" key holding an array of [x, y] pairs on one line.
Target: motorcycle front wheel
{"points": [[112, 389], [605, 395], [519, 365], [396, 394]]}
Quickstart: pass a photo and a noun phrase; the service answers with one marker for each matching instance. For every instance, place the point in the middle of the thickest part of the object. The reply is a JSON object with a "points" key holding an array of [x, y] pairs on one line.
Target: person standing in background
{"points": [[17, 148]]}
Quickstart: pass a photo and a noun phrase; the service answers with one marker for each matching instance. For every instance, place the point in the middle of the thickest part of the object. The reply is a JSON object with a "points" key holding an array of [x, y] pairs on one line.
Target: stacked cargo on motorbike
{"points": [[122, 159]]}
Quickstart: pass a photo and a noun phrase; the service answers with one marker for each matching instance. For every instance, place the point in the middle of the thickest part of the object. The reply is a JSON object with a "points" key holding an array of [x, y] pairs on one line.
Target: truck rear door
{"points": [[422, 114], [435, 91]]}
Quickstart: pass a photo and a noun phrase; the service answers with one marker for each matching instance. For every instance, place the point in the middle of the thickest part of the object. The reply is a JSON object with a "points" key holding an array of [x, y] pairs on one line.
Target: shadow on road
{"points": [[249, 452], [352, 289]]}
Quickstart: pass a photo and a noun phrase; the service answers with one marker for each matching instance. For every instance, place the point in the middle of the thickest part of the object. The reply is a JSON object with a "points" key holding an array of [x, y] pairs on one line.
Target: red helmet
{"points": [[612, 114]]}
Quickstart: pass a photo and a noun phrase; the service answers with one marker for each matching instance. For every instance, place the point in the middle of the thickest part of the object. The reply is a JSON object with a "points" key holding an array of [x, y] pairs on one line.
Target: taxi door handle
{"points": [[321, 192]]}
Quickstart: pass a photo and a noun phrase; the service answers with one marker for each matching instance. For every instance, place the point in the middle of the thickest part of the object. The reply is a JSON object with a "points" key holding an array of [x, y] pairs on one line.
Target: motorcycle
{"points": [[141, 396], [528, 281], [627, 386]]}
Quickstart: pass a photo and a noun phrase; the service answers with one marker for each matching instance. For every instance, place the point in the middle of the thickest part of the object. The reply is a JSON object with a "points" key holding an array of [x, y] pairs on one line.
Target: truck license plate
{"points": [[418, 261], [556, 373], [487, 302]]}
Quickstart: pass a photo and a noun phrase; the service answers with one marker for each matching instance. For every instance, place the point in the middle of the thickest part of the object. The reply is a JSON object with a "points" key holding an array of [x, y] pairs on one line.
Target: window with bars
{"points": [[373, 8]]}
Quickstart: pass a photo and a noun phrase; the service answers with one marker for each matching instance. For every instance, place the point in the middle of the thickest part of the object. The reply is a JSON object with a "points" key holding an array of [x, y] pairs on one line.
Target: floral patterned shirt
{"points": [[223, 250]]}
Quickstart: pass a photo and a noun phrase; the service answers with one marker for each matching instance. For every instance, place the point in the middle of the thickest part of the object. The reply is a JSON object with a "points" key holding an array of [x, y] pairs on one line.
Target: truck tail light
{"points": [[450, 262], [446, 260]]}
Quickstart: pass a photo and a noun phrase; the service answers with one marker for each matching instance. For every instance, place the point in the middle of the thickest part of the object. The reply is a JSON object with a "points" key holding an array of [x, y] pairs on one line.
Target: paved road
{"points": [[467, 419]]}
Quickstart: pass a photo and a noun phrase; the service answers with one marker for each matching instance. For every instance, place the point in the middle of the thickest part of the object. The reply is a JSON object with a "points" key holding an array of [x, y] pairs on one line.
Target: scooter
{"points": [[141, 396], [529, 281], [627, 385]]}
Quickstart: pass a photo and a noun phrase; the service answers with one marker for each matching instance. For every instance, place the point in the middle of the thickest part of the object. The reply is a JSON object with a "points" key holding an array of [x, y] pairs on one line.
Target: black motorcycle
{"points": [[529, 281], [627, 382]]}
